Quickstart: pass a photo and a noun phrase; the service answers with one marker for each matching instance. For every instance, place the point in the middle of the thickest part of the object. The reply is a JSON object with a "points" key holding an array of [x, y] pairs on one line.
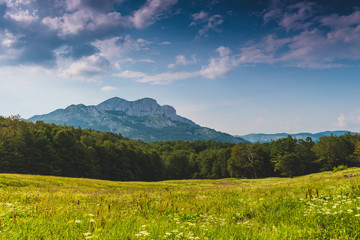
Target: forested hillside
{"points": [[49, 149]]}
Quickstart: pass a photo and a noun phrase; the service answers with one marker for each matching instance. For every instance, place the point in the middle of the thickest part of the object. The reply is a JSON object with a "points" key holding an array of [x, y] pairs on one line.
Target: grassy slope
{"points": [[39, 207]]}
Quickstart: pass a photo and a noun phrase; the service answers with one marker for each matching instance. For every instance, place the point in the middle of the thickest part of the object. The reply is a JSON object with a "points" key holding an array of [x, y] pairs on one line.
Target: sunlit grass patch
{"points": [[322, 206]]}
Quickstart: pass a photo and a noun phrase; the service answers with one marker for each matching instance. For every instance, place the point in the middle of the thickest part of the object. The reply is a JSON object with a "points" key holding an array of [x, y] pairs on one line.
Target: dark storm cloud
{"points": [[35, 30], [38, 31], [77, 51]]}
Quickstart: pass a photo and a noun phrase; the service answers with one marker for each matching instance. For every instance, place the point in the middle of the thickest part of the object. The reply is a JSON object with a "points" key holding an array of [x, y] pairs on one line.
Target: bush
{"points": [[339, 168]]}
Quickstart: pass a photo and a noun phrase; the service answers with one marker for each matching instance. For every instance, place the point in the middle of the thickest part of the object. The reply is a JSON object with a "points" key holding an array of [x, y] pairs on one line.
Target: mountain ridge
{"points": [[142, 119], [263, 137]]}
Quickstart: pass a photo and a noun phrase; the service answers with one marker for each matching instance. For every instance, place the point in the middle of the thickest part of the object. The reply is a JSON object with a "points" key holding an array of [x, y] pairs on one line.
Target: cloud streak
{"points": [[150, 12], [217, 67], [208, 23], [310, 41]]}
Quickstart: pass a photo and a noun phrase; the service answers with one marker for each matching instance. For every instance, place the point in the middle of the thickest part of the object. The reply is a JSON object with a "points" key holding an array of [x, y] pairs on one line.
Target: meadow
{"points": [[318, 206]]}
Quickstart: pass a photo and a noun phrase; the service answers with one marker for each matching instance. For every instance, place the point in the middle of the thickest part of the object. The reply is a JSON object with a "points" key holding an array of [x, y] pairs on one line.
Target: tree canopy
{"points": [[49, 149]]}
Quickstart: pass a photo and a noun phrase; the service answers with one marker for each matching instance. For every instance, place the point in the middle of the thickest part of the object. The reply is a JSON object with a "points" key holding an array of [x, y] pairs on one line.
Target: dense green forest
{"points": [[49, 149]]}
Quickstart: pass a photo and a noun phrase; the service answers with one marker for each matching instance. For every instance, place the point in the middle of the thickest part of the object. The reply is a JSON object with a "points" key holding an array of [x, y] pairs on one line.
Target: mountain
{"points": [[260, 137], [143, 119]]}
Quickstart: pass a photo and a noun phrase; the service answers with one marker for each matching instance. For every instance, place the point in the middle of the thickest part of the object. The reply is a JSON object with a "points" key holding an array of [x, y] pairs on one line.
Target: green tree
{"points": [[332, 151], [177, 164], [284, 157]]}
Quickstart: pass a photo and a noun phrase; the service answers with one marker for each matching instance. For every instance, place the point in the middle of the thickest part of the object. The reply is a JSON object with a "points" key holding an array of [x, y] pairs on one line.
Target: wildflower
{"points": [[90, 215], [77, 221], [357, 215], [180, 235], [87, 234], [350, 210], [144, 233]]}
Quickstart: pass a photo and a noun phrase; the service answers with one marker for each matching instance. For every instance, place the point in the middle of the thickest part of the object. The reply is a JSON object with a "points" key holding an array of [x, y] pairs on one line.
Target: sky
{"points": [[260, 66]]}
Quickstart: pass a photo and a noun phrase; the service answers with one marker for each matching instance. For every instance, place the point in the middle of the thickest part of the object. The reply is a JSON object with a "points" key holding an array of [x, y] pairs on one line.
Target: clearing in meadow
{"points": [[318, 206]]}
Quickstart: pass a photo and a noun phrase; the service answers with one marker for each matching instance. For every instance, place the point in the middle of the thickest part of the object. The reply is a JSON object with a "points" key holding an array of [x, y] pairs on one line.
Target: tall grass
{"points": [[318, 206]]}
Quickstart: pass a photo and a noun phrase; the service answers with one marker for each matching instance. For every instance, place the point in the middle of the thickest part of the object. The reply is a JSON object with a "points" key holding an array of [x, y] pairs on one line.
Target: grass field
{"points": [[318, 206]]}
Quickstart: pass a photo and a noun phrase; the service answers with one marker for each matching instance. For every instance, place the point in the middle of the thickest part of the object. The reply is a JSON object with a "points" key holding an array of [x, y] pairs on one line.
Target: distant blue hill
{"points": [[262, 138]]}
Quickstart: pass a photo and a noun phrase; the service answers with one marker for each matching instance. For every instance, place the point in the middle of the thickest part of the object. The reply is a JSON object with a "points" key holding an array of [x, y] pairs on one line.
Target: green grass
{"points": [[317, 206]]}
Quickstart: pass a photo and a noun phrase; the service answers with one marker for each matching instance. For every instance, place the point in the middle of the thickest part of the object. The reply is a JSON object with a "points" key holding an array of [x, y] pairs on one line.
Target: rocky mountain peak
{"points": [[141, 107], [142, 119]]}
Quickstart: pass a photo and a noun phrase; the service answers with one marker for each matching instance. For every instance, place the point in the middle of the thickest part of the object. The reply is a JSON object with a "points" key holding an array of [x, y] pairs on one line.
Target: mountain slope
{"points": [[143, 119], [260, 137]]}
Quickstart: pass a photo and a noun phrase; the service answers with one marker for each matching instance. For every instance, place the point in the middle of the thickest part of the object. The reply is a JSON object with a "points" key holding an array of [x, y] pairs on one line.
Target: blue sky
{"points": [[236, 66]]}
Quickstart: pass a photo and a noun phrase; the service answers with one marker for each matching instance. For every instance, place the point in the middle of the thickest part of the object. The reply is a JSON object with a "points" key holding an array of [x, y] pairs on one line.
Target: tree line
{"points": [[49, 149]]}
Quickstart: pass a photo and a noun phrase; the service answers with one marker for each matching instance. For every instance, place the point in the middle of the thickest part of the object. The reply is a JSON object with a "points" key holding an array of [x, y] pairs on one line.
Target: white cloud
{"points": [[181, 60], [208, 22], [150, 12], [20, 11], [142, 41], [165, 43], [130, 74], [116, 48], [219, 66], [84, 20], [297, 16], [167, 78], [24, 16], [108, 88], [158, 79], [86, 68], [131, 60], [62, 33], [313, 42], [341, 121], [199, 17], [8, 39]]}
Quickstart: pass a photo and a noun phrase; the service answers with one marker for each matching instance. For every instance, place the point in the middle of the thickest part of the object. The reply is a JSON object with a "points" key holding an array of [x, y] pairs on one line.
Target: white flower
{"points": [[145, 233], [77, 221]]}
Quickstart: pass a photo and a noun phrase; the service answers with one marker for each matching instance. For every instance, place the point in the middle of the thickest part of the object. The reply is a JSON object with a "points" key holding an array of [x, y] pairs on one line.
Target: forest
{"points": [[49, 149]]}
